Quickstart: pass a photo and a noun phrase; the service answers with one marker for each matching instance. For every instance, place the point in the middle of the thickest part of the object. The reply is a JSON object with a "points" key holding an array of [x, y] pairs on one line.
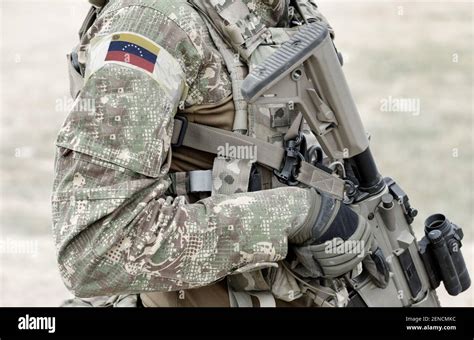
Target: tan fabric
{"points": [[188, 159], [220, 115], [215, 295], [209, 296]]}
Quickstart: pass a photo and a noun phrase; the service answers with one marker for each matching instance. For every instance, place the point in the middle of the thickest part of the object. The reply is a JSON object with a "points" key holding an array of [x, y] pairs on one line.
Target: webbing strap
{"points": [[240, 300], [321, 180], [212, 140], [238, 71], [94, 11], [265, 299], [200, 181], [88, 21], [244, 300], [191, 182]]}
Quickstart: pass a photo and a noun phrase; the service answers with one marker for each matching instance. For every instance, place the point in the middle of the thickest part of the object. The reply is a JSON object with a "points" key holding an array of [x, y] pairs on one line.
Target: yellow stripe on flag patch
{"points": [[137, 40]]}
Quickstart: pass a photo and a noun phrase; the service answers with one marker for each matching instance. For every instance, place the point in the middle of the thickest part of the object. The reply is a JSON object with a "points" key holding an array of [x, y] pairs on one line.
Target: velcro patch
{"points": [[138, 52], [133, 49]]}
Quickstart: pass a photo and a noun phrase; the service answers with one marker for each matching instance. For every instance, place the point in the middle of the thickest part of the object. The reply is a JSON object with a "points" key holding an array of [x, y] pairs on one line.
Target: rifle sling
{"points": [[209, 139]]}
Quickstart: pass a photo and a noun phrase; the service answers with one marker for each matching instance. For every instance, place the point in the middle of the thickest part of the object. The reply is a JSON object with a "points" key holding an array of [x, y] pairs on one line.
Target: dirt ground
{"points": [[393, 50]]}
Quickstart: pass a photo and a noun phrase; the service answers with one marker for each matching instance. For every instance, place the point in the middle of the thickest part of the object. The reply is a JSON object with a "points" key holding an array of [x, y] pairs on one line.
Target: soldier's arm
{"points": [[114, 227]]}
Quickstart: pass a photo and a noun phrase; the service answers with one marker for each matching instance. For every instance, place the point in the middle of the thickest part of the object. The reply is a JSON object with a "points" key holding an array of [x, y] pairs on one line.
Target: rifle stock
{"points": [[305, 74]]}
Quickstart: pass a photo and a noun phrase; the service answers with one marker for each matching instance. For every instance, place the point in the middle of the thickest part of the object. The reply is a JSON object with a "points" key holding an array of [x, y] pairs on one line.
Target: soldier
{"points": [[178, 225]]}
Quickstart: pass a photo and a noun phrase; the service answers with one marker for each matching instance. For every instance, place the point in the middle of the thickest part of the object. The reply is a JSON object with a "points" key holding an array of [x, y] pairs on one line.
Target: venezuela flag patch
{"points": [[137, 52], [134, 50]]}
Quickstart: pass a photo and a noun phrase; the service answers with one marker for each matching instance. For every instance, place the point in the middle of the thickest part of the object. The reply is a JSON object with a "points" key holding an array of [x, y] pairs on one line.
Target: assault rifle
{"points": [[305, 74]]}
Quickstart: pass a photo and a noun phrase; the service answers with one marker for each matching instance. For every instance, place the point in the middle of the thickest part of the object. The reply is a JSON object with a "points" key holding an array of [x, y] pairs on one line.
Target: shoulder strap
{"points": [[237, 70], [96, 8], [241, 29]]}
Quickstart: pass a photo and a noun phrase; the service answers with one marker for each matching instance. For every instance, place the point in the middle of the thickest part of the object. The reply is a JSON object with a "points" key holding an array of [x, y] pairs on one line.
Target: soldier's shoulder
{"points": [[179, 29], [172, 24], [163, 16], [165, 6]]}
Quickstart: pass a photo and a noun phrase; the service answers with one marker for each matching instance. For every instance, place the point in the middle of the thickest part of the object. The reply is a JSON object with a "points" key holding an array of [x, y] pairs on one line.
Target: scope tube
{"points": [[452, 235]]}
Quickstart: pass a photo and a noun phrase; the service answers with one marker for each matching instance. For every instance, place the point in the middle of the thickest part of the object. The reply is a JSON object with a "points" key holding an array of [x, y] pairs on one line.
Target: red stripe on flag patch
{"points": [[129, 58]]}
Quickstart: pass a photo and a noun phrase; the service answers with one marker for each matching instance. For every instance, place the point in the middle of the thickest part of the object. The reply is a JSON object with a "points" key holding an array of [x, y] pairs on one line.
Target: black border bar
{"points": [[290, 323]]}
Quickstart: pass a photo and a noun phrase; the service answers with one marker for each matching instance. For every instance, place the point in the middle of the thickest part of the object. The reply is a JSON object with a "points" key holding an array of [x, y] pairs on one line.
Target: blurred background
{"points": [[409, 64]]}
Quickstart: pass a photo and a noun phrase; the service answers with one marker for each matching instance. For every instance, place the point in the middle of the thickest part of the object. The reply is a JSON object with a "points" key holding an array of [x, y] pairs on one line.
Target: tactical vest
{"points": [[244, 41]]}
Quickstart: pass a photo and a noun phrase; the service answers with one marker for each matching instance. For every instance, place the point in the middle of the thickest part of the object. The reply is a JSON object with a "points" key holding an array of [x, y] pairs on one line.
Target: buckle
{"points": [[293, 158], [182, 131]]}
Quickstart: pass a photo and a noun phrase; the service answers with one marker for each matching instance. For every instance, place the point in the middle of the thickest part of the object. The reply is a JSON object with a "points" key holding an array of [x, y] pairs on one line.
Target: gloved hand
{"points": [[336, 242]]}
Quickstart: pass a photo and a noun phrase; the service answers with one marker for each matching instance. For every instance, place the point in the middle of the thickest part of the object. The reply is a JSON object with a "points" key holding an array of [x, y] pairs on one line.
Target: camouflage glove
{"points": [[337, 241]]}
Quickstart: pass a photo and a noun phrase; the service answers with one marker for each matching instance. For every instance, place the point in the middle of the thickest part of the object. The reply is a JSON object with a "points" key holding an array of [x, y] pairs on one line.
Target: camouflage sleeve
{"points": [[115, 230]]}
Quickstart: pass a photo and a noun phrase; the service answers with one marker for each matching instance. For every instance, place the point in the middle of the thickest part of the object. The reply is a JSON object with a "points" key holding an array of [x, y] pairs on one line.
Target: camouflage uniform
{"points": [[116, 226]]}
